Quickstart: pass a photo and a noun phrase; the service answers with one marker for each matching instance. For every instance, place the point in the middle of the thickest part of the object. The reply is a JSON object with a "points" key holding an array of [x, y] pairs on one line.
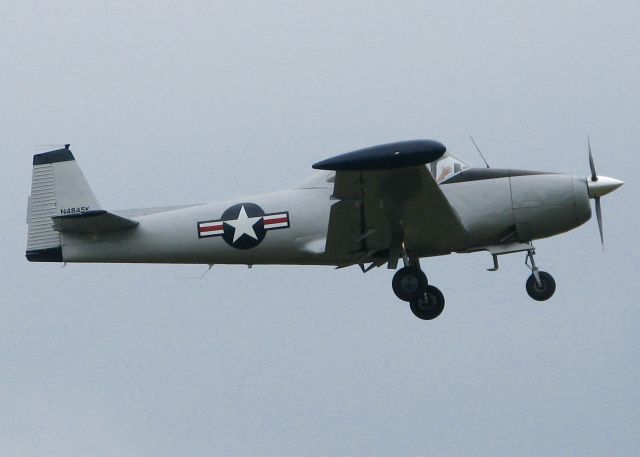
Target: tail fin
{"points": [[58, 188]]}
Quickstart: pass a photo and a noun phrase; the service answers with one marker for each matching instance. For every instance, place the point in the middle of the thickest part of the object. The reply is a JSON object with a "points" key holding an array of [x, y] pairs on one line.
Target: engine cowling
{"points": [[548, 204]]}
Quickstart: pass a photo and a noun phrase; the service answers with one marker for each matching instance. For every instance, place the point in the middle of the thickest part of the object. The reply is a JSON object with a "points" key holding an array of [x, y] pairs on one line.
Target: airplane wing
{"points": [[387, 197]]}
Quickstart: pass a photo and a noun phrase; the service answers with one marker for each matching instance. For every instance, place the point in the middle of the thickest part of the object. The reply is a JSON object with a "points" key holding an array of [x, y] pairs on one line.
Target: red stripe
{"points": [[276, 221], [212, 228]]}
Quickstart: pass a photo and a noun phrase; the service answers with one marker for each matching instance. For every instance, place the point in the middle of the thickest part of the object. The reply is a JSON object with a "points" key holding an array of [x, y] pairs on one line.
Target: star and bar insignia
{"points": [[243, 226]]}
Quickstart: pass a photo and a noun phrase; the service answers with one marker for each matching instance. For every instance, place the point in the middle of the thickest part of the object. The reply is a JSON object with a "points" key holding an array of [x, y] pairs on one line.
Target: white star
{"points": [[244, 225]]}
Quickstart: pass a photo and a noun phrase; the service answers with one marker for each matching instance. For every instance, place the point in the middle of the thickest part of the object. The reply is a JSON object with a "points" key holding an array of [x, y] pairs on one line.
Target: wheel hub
{"points": [[427, 302], [540, 287], [410, 283]]}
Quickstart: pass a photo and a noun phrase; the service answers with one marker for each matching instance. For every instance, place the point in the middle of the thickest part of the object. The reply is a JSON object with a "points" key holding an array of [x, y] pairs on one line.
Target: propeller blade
{"points": [[594, 176], [599, 217]]}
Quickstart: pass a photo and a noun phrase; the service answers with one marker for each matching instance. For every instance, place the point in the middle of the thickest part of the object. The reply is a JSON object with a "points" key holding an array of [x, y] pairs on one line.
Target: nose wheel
{"points": [[543, 288], [540, 285]]}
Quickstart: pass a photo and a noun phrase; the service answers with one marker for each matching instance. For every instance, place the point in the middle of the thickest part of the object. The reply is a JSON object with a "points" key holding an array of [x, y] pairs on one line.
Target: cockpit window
{"points": [[447, 166]]}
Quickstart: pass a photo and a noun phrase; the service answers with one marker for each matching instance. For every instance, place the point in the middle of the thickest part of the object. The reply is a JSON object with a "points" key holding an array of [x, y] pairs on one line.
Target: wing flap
{"points": [[92, 222], [342, 237]]}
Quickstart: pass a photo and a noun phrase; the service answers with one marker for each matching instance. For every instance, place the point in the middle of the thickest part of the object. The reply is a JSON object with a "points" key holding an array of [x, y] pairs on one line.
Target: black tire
{"points": [[430, 305], [545, 290], [409, 283]]}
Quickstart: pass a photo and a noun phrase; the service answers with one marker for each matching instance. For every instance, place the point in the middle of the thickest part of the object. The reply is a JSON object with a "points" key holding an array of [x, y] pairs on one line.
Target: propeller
{"points": [[594, 178], [594, 175], [599, 186]]}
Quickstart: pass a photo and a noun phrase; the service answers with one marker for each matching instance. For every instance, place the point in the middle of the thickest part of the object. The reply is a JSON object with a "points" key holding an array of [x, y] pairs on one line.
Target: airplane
{"points": [[382, 205]]}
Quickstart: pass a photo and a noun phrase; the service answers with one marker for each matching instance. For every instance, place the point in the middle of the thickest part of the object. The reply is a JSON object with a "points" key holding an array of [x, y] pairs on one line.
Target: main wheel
{"points": [[430, 305], [409, 283], [544, 290]]}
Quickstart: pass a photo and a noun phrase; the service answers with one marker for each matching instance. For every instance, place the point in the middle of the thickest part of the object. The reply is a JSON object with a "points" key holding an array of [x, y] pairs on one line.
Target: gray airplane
{"points": [[385, 204]]}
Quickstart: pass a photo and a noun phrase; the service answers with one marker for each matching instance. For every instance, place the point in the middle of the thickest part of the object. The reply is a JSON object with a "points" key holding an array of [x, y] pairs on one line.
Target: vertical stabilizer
{"points": [[58, 188]]}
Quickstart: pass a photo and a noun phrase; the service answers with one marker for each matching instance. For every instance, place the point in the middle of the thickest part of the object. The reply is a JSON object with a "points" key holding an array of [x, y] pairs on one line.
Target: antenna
{"points": [[479, 151]]}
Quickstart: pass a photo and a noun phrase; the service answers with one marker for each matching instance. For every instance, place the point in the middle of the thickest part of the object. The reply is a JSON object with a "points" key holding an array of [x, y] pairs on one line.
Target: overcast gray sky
{"points": [[193, 101]]}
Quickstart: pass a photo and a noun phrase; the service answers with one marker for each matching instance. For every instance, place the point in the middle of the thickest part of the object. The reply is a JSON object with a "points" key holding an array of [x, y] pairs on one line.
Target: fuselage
{"points": [[291, 226]]}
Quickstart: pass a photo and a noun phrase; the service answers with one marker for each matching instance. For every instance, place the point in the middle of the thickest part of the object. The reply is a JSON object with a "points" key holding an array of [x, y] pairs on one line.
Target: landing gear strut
{"points": [[540, 285], [410, 284]]}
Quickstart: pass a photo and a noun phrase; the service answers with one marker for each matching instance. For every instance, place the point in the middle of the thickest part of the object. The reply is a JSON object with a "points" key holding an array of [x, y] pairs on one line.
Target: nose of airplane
{"points": [[602, 185]]}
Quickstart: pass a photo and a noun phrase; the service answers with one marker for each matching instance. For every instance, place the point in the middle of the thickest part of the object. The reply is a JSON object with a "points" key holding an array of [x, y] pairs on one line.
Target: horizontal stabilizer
{"points": [[92, 222]]}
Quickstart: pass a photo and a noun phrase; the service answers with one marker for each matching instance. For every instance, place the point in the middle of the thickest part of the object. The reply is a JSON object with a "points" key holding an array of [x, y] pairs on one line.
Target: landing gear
{"points": [[543, 289], [409, 283], [430, 305], [540, 286]]}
